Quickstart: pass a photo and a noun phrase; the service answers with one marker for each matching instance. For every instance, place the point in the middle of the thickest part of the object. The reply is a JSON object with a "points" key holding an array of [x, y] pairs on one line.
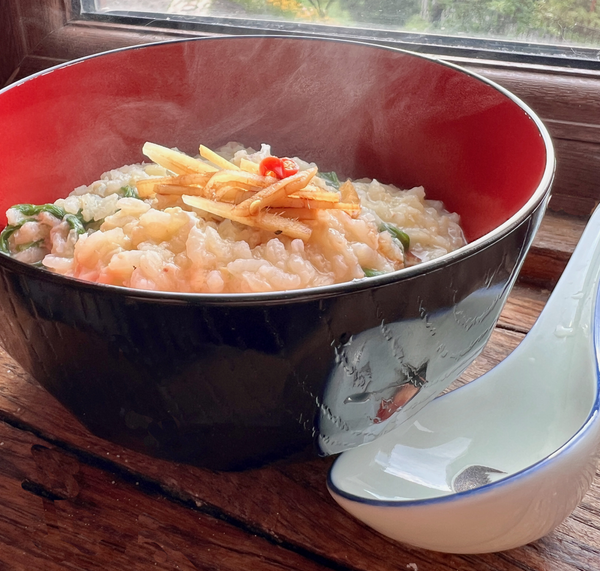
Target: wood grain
{"points": [[569, 102], [59, 513], [40, 18], [582, 159], [80, 39], [573, 131], [12, 40], [287, 506], [43, 33], [69, 500], [566, 98], [33, 64], [551, 250], [523, 307]]}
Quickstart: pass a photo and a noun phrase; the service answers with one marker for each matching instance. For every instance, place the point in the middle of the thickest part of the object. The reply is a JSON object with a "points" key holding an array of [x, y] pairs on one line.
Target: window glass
{"points": [[567, 28]]}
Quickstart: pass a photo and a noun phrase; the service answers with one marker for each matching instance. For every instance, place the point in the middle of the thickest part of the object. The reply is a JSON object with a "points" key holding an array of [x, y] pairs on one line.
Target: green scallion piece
{"points": [[75, 223], [396, 233], [130, 192], [34, 210], [370, 273], [331, 178], [4, 236], [22, 247], [8, 232]]}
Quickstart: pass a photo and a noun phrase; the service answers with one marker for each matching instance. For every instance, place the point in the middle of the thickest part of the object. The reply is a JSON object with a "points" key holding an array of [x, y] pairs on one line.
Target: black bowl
{"points": [[241, 380]]}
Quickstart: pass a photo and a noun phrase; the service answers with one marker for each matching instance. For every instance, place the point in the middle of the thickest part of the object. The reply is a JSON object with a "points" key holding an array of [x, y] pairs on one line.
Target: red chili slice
{"points": [[289, 167], [279, 168], [388, 407], [268, 165]]}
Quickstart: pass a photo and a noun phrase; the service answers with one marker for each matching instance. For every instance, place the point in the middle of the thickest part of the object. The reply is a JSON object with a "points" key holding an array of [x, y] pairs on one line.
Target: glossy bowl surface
{"points": [[235, 381], [503, 460]]}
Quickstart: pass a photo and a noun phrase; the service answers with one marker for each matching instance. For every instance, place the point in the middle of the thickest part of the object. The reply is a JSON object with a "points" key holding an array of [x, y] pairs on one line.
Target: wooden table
{"points": [[71, 501]]}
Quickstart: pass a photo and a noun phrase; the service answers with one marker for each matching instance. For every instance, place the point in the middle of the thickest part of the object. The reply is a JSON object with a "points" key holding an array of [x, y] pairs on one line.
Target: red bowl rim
{"points": [[539, 196]]}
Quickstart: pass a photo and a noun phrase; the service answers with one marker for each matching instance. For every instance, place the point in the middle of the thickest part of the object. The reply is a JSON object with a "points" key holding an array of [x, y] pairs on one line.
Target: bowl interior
{"points": [[360, 110]]}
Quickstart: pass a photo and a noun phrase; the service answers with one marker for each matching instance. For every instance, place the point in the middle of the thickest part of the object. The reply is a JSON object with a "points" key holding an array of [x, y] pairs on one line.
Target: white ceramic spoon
{"points": [[503, 460]]}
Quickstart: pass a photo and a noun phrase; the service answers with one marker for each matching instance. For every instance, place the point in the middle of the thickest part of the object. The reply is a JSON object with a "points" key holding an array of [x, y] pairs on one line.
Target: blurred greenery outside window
{"points": [[546, 24]]}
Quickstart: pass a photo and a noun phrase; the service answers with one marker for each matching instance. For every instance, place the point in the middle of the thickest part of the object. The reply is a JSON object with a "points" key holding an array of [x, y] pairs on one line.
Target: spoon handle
{"points": [[560, 345], [552, 367], [571, 303]]}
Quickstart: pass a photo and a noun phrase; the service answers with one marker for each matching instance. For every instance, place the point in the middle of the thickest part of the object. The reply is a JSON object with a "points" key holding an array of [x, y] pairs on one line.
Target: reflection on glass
{"points": [[557, 22]]}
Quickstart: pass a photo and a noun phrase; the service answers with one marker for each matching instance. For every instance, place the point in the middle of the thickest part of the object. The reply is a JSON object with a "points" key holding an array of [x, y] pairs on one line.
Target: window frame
{"points": [[438, 45], [43, 33]]}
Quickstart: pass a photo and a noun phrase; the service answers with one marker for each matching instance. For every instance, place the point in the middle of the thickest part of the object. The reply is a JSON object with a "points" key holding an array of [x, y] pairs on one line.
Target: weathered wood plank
{"points": [[12, 39], [80, 39], [58, 513], [566, 97], [569, 130], [577, 170], [288, 504], [34, 64], [40, 18], [552, 247], [87, 522], [265, 500], [523, 307]]}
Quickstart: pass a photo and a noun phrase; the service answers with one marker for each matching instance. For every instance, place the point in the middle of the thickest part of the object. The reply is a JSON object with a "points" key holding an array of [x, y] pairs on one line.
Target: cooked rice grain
{"points": [[161, 244]]}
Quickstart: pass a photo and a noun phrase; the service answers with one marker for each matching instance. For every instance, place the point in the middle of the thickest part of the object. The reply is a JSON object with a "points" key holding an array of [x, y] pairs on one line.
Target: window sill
{"points": [[566, 99]]}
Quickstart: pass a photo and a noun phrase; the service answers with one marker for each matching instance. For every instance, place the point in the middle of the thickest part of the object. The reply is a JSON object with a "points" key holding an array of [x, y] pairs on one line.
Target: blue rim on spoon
{"points": [[565, 379]]}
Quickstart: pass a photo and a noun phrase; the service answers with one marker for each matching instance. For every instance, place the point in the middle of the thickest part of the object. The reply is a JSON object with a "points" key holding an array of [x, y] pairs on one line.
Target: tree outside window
{"points": [[559, 22]]}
